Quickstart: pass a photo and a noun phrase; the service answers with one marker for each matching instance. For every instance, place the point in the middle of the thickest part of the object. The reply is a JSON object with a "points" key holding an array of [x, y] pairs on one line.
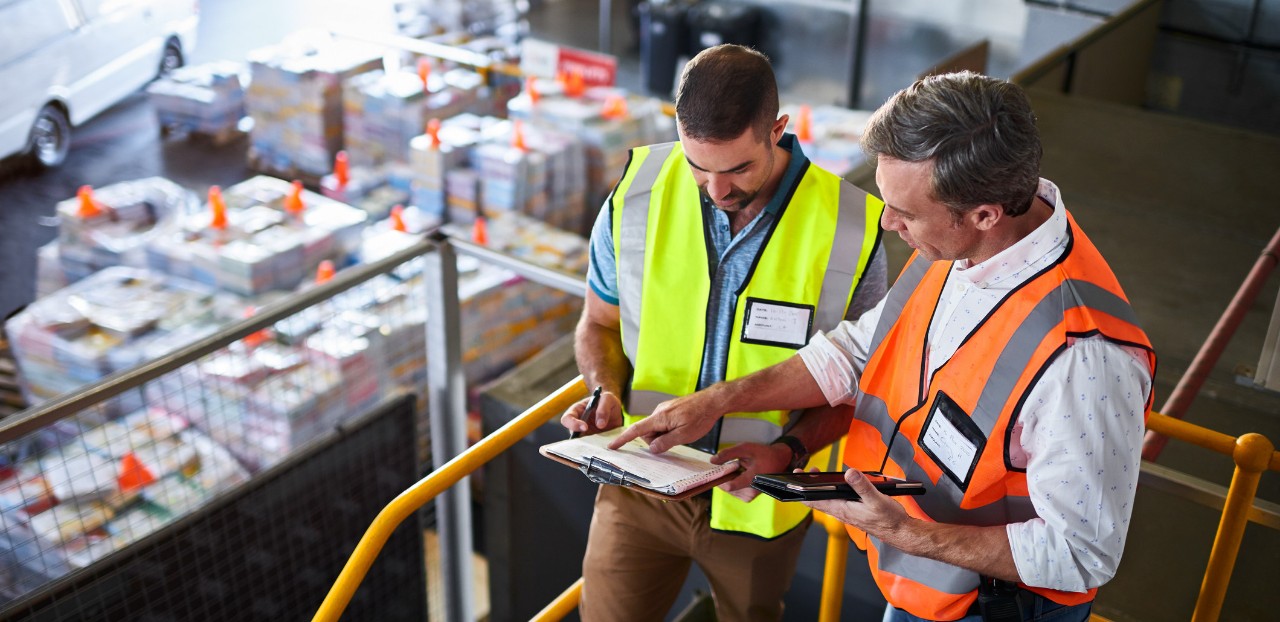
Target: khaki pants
{"points": [[640, 548]]}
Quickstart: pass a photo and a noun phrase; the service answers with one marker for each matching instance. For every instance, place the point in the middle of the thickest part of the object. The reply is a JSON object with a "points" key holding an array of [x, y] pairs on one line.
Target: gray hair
{"points": [[979, 131]]}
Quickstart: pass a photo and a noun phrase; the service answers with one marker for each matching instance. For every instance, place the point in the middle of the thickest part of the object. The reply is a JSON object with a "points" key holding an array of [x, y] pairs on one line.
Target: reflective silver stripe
{"points": [[643, 402], [1047, 314], [897, 298], [631, 245], [942, 500], [940, 576], [945, 496], [842, 263], [748, 430]]}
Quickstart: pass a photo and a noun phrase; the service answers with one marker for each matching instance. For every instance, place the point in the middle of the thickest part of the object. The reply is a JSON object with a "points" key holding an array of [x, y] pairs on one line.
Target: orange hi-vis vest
{"points": [[977, 394]]}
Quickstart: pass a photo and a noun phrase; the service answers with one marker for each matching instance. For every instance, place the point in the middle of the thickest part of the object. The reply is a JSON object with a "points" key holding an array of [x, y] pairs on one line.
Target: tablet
{"points": [[828, 485]]}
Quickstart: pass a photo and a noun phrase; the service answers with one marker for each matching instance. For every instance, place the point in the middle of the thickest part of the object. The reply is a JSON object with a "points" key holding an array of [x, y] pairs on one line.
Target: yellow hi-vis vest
{"points": [[809, 265]]}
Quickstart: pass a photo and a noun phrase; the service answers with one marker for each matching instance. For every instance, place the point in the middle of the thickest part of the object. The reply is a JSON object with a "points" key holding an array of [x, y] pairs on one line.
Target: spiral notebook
{"points": [[676, 474]]}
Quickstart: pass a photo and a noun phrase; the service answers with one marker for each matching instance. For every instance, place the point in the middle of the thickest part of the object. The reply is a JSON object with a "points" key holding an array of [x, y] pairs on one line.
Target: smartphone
{"points": [[828, 485]]}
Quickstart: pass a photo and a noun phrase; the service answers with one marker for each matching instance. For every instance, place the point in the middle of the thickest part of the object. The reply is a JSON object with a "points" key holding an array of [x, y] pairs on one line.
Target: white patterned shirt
{"points": [[1081, 477]]}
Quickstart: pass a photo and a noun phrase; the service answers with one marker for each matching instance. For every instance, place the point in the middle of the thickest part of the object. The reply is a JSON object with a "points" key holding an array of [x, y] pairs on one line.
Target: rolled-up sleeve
{"points": [[836, 358], [1082, 429]]}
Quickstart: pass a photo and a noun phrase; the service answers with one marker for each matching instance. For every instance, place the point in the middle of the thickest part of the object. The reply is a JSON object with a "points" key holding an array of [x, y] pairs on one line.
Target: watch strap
{"points": [[799, 454]]}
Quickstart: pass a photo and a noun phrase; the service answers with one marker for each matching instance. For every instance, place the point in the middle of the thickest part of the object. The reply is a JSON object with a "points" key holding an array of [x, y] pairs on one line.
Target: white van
{"points": [[64, 61]]}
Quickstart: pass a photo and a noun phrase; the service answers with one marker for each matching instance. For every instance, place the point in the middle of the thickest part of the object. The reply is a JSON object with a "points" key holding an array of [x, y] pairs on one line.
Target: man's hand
{"points": [[875, 513], [984, 550], [607, 417], [673, 422], [754, 459]]}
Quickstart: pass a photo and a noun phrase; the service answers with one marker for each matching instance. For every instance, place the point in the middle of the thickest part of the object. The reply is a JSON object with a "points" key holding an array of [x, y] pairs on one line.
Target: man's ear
{"points": [[985, 217], [779, 127]]}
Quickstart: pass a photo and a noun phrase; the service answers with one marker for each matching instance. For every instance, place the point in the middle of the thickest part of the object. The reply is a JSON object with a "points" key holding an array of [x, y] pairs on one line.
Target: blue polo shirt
{"points": [[729, 267]]}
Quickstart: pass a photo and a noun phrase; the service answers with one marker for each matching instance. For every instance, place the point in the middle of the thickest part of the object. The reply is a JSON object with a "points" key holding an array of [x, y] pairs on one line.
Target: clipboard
{"points": [[631, 485], [603, 467]]}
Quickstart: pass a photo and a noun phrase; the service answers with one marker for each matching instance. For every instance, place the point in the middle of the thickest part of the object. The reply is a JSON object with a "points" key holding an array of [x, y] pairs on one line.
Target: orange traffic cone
{"points": [[218, 207], [804, 124], [325, 272], [517, 136], [615, 107], [575, 86], [424, 71], [258, 338], [397, 219], [341, 169], [433, 130], [480, 231], [293, 201], [531, 87], [89, 206], [133, 474]]}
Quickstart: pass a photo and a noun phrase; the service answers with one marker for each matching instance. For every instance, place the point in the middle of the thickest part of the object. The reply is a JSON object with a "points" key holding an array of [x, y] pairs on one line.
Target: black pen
{"points": [[591, 410]]}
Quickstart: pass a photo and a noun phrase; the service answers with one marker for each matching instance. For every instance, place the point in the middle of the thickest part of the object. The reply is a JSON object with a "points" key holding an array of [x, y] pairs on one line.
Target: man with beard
{"points": [[714, 257]]}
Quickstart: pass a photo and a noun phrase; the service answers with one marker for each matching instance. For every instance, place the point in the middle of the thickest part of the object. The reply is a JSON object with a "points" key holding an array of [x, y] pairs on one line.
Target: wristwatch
{"points": [[799, 455]]}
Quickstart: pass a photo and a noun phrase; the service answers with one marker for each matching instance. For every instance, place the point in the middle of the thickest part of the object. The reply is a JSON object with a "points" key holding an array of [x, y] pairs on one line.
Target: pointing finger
{"points": [[629, 434]]}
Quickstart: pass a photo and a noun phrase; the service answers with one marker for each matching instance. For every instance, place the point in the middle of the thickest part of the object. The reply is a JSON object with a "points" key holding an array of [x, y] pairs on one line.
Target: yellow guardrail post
{"points": [[834, 568], [427, 488], [1252, 455]]}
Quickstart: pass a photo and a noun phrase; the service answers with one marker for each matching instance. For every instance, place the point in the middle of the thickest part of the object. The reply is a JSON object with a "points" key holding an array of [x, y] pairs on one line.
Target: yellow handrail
{"points": [[1253, 454], [834, 568], [432, 485], [557, 609]]}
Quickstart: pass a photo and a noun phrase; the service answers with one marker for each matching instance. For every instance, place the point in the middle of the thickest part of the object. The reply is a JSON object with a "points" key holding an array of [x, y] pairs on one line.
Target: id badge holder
{"points": [[952, 440]]}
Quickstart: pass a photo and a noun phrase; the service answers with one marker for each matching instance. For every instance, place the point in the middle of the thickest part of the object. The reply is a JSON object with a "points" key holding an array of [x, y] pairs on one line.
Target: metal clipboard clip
{"points": [[603, 472]]}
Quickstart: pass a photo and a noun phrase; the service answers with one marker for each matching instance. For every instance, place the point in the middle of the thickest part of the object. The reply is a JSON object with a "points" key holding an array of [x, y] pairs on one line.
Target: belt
{"points": [[1026, 601]]}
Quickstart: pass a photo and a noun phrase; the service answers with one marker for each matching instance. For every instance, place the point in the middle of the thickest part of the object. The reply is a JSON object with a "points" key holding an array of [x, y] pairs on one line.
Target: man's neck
{"points": [[1018, 228], [741, 218]]}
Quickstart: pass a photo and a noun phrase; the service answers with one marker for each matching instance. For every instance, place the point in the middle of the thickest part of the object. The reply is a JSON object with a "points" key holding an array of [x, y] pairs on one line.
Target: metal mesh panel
{"points": [[85, 486], [271, 549], [245, 393]]}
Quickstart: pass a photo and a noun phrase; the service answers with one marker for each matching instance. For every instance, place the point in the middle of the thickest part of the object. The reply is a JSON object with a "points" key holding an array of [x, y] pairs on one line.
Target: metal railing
{"points": [[1189, 384], [436, 483], [39, 416], [447, 395], [446, 383], [1252, 454]]}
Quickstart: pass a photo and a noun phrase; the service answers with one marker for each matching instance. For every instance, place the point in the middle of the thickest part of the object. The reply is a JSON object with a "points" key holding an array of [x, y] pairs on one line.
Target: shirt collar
{"points": [[791, 176], [1049, 237]]}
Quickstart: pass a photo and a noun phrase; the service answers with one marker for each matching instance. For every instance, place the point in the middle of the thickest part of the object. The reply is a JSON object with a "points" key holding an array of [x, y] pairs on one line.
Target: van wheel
{"points": [[172, 58], [50, 137]]}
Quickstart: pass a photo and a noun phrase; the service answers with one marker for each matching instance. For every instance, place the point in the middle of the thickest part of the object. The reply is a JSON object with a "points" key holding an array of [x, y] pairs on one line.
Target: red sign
{"points": [[548, 60], [596, 69]]}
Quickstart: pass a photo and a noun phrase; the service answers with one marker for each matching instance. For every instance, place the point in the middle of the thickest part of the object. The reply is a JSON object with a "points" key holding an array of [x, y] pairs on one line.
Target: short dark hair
{"points": [[979, 131], [723, 91]]}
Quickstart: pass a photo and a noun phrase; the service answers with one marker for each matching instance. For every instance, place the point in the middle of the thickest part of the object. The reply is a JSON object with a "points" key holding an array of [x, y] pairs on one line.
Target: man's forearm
{"points": [[784, 386], [984, 550], [600, 356]]}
